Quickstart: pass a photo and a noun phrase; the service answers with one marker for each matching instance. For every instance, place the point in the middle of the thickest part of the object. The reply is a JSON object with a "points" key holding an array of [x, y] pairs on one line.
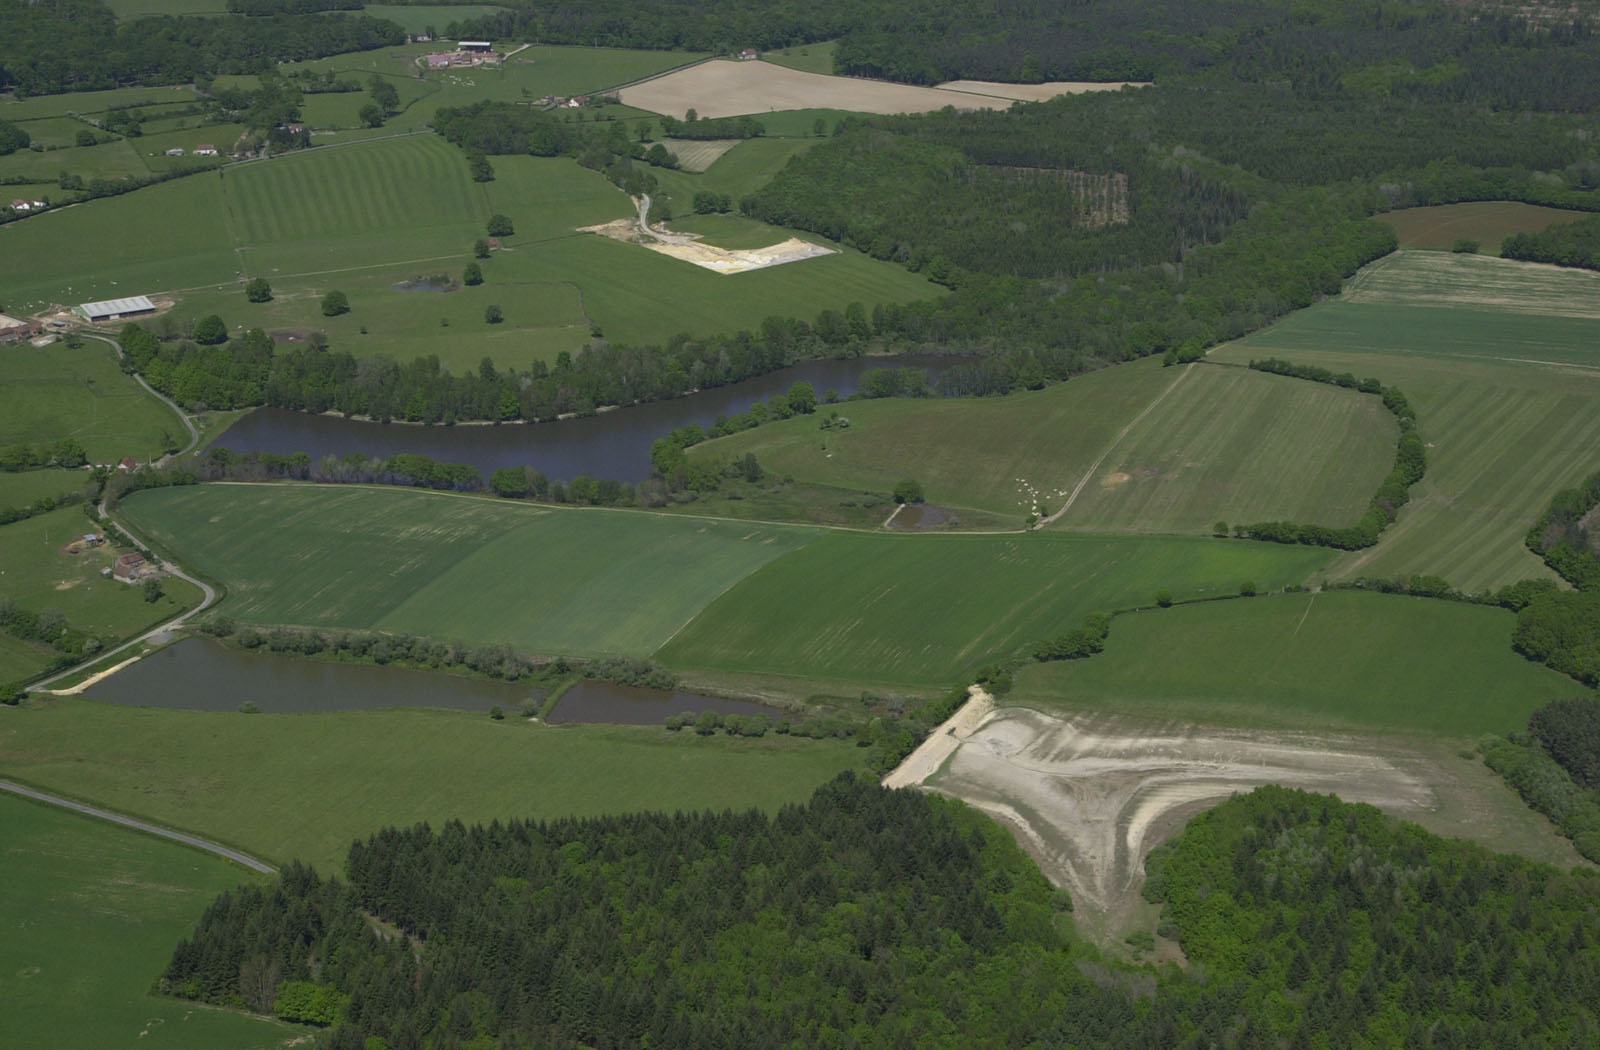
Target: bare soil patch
{"points": [[1089, 796], [729, 89], [688, 247]]}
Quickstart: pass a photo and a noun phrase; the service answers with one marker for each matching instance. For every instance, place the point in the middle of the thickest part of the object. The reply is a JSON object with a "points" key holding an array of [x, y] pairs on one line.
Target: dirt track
{"points": [[1090, 796]]}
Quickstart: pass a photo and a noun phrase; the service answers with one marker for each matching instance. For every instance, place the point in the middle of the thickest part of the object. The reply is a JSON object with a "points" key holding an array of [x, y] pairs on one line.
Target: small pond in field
{"points": [[628, 705], [921, 516], [201, 674], [612, 444]]}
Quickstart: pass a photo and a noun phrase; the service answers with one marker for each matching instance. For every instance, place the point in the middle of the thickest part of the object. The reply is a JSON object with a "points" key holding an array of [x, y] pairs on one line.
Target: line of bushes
{"points": [[1562, 540], [492, 661], [48, 627], [1545, 786], [68, 452], [1410, 464], [42, 505]]}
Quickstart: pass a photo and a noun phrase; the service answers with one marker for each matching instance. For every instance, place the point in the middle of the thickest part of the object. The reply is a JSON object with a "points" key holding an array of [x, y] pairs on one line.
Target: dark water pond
{"points": [[199, 674], [920, 516], [612, 444], [591, 701]]}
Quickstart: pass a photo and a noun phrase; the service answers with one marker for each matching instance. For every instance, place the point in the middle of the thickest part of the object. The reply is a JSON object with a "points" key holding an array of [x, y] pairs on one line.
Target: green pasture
{"points": [[56, 392], [731, 231], [477, 570], [1332, 660], [305, 786], [1505, 401], [53, 132], [24, 487], [169, 236], [415, 18], [974, 453], [922, 610], [92, 912], [752, 164], [1487, 222], [39, 575], [801, 123], [1229, 444], [808, 58], [1476, 282], [84, 102], [109, 160]]}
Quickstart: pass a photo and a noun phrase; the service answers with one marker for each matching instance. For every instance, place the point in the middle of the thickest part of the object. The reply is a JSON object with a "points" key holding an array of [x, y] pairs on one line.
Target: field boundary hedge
{"points": [[1560, 538], [1410, 464]]}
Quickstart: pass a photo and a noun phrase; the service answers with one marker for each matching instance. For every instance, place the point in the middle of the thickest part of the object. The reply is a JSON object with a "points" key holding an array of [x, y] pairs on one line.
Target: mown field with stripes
{"points": [[1505, 398]]}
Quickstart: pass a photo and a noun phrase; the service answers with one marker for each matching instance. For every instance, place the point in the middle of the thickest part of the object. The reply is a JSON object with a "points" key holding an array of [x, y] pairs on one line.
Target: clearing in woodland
{"points": [[1505, 400], [561, 582], [283, 787], [1488, 222], [91, 913]]}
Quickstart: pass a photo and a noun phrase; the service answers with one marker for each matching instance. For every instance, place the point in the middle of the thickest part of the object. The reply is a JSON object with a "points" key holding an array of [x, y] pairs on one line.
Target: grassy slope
{"points": [[92, 913], [921, 610], [1337, 659], [35, 572], [1487, 222], [809, 58], [1505, 400], [21, 489], [968, 452], [305, 786], [1227, 443], [1235, 445], [56, 392], [570, 582]]}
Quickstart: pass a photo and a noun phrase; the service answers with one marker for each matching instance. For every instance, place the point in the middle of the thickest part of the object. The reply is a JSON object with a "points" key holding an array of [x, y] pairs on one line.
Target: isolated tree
{"points": [[645, 130], [493, 314], [482, 170], [258, 290], [334, 304], [152, 590], [371, 115], [383, 93], [802, 398], [1247, 589], [473, 274], [210, 330], [1465, 246], [1164, 598], [480, 248], [500, 225], [908, 491], [691, 116], [84, 137]]}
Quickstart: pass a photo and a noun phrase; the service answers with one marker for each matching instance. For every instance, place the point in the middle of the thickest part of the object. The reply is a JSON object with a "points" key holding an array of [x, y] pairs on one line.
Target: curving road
{"points": [[194, 434], [139, 825]]}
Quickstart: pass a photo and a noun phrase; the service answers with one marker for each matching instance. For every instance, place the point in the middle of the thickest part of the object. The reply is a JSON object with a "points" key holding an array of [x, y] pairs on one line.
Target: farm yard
{"points": [[1503, 397]]}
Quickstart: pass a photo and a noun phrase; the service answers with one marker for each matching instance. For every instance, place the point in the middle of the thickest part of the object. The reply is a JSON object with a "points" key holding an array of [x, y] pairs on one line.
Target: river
{"points": [[613, 444]]}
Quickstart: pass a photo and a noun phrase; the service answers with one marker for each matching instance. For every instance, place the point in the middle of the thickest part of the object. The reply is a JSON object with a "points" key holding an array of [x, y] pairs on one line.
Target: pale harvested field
{"points": [[698, 155], [1483, 282], [1089, 796], [1036, 92], [727, 88]]}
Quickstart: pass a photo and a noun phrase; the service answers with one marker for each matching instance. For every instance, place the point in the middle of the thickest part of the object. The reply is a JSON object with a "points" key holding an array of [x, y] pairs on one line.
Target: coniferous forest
{"points": [[876, 918]]}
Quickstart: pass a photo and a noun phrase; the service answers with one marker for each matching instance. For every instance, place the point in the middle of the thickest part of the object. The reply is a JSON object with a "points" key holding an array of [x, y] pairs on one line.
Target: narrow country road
{"points": [[139, 825], [206, 589]]}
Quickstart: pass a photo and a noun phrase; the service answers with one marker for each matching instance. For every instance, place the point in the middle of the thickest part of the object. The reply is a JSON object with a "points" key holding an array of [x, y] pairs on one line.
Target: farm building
{"points": [[115, 309], [749, 53], [205, 151], [14, 331], [129, 567], [482, 47], [440, 61], [176, 151], [21, 206]]}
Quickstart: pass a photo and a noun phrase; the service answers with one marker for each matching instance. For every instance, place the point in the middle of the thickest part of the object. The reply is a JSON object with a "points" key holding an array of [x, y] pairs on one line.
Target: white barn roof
{"points": [[131, 305]]}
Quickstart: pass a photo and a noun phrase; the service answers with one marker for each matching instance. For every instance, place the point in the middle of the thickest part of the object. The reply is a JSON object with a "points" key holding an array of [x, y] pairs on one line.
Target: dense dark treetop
{"points": [[872, 918]]}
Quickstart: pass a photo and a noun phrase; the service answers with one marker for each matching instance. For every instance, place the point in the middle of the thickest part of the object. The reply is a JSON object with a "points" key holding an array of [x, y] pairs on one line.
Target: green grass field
{"points": [[1333, 660], [92, 912], [22, 488], [107, 160], [1282, 449], [86, 102], [1487, 222], [808, 58], [559, 582], [921, 610], [126, 9], [1234, 445], [36, 572], [301, 786], [1505, 400], [731, 231], [57, 392]]}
